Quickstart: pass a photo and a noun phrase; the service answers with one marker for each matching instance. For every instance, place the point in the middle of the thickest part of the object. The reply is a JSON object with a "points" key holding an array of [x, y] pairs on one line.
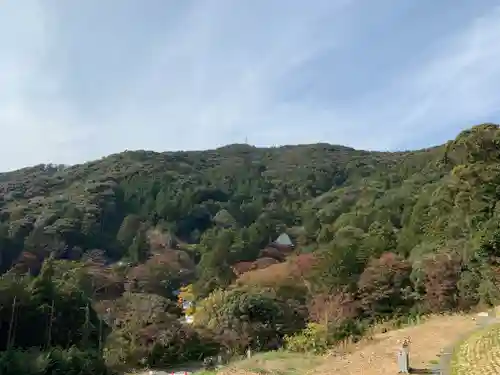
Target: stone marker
{"points": [[404, 357]]}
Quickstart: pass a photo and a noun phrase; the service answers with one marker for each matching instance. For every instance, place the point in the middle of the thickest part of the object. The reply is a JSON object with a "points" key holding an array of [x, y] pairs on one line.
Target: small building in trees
{"points": [[186, 301], [283, 240], [278, 249], [283, 243]]}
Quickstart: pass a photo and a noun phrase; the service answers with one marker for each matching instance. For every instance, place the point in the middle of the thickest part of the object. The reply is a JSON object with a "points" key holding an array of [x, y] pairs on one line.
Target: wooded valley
{"points": [[97, 258]]}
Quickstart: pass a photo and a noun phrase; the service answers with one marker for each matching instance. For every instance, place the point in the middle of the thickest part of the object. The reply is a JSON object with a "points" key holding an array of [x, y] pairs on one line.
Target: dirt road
{"points": [[378, 357], [370, 357]]}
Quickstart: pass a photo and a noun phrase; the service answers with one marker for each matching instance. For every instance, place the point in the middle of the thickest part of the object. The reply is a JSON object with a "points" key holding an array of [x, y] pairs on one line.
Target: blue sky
{"points": [[83, 79]]}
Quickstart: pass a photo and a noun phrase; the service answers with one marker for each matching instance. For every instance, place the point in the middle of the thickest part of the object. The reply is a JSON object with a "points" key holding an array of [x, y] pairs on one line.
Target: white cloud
{"points": [[207, 95], [455, 87], [214, 79], [34, 120]]}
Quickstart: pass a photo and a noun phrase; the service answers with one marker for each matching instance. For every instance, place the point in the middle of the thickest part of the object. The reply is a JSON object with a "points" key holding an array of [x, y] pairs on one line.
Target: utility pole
{"points": [[49, 334], [86, 332], [11, 324], [108, 314], [100, 335]]}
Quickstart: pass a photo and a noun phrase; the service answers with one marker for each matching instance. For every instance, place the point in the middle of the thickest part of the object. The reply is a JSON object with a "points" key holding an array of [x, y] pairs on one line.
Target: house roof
{"points": [[284, 240]]}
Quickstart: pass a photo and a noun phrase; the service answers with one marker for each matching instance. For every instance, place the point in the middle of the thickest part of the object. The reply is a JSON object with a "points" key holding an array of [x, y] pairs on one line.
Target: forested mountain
{"points": [[109, 203], [400, 232]]}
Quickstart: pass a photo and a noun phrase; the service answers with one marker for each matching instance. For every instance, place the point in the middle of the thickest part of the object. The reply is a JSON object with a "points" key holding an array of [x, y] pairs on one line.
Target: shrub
{"points": [[241, 318], [384, 285], [148, 331], [333, 309], [441, 280], [313, 339], [349, 328], [159, 344], [56, 361]]}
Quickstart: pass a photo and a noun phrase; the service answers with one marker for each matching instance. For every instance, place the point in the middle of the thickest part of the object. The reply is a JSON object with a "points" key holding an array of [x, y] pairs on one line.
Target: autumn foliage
{"points": [[441, 276], [162, 273], [377, 236], [384, 285], [333, 309], [292, 271]]}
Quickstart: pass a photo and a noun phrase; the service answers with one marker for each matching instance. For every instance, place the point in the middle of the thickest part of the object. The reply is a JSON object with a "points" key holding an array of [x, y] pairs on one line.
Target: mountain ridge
{"points": [[182, 192], [128, 237]]}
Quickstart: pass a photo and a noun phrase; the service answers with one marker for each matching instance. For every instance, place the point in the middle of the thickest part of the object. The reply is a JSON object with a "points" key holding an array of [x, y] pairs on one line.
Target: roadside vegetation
{"points": [[478, 354]]}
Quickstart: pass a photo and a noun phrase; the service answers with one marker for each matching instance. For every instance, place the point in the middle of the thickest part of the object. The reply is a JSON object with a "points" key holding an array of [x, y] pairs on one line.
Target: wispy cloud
{"points": [[35, 121], [220, 71], [216, 78], [457, 85]]}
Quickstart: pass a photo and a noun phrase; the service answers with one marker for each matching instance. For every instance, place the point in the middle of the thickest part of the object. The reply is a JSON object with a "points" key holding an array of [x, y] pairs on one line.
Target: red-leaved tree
{"points": [[441, 276], [333, 309], [384, 286]]}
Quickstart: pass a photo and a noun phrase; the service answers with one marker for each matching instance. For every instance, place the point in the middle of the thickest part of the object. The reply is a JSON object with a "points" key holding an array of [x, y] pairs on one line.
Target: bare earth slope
{"points": [[378, 357], [371, 357]]}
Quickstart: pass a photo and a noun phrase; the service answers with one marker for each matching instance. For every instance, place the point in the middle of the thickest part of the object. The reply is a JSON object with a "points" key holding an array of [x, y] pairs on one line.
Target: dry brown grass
{"points": [[274, 363], [479, 354], [378, 356], [373, 356]]}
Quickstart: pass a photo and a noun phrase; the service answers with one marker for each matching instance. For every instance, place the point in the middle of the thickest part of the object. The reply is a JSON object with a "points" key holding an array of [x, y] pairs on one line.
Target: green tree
{"points": [[128, 230], [139, 249]]}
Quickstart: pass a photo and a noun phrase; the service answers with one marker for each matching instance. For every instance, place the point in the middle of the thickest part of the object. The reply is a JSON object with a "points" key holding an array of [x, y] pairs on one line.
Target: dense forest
{"points": [[93, 256]]}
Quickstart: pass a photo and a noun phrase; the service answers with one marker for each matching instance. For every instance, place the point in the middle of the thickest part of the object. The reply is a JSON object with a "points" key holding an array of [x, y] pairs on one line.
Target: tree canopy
{"points": [[384, 233]]}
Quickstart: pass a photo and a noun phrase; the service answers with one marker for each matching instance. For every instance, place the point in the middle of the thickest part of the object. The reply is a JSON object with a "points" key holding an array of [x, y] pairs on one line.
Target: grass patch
{"points": [[277, 363], [479, 354]]}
